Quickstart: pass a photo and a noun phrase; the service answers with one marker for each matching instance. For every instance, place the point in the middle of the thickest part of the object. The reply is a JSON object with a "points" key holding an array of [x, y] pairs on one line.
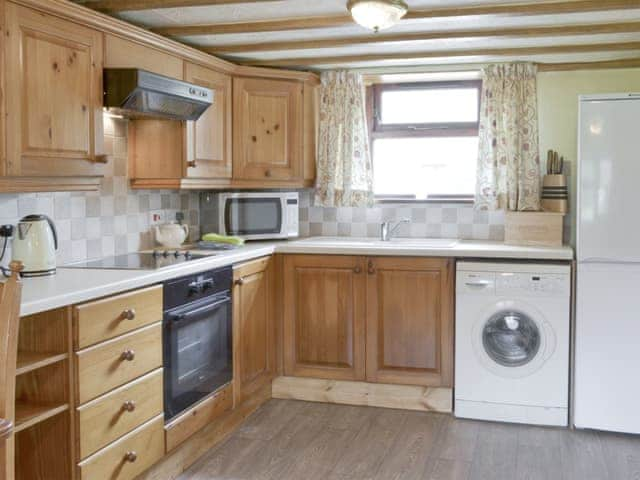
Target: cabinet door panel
{"points": [[209, 138], [54, 96], [324, 316], [409, 321], [268, 131], [254, 334]]}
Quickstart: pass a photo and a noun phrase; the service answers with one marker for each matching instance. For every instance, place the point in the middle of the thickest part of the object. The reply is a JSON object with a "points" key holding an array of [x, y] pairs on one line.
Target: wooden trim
{"points": [[303, 23], [518, 32], [484, 52], [112, 6], [49, 184], [215, 184], [404, 397]]}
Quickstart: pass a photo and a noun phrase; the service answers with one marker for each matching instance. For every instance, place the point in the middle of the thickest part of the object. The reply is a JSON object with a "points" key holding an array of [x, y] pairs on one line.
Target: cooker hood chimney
{"points": [[133, 92]]}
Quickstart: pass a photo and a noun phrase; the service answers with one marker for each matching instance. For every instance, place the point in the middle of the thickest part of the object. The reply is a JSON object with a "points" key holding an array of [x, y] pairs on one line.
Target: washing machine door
{"points": [[512, 339]]}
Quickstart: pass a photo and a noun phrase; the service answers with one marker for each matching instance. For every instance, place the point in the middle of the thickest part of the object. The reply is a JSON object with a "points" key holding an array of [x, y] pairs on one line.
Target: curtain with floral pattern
{"points": [[508, 174], [344, 173]]}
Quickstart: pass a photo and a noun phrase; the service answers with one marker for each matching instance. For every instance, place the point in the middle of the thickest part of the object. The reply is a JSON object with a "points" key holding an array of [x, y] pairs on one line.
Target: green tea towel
{"points": [[216, 237]]}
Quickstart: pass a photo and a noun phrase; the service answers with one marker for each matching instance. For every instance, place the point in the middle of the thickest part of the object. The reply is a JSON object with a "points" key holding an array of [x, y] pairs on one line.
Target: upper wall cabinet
{"points": [[121, 53], [268, 129], [53, 101], [208, 140]]}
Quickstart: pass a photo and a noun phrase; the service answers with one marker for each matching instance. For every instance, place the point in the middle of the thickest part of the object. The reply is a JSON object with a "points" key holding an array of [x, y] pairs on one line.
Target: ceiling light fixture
{"points": [[377, 14]]}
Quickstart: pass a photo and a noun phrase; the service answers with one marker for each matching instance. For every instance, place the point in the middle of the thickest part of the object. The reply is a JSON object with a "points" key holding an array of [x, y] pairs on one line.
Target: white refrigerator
{"points": [[607, 354]]}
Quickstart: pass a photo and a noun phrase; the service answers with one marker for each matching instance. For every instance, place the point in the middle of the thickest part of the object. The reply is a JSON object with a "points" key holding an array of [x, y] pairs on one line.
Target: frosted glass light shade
{"points": [[377, 14]]}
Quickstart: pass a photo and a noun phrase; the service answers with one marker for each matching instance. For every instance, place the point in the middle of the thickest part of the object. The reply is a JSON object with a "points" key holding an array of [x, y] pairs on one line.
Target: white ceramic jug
{"points": [[171, 235]]}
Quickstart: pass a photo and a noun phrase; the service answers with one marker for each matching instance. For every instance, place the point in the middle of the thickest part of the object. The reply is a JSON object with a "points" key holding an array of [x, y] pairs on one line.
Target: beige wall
{"points": [[558, 111]]}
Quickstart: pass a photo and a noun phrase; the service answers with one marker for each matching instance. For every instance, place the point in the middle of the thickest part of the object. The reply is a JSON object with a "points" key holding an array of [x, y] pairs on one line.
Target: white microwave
{"points": [[259, 216]]}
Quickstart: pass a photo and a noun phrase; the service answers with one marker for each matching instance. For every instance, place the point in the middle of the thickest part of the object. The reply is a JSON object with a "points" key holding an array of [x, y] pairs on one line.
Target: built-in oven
{"points": [[197, 341], [259, 215]]}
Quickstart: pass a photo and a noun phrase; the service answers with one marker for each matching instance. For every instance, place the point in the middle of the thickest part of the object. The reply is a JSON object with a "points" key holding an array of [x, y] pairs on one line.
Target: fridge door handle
{"points": [[607, 260]]}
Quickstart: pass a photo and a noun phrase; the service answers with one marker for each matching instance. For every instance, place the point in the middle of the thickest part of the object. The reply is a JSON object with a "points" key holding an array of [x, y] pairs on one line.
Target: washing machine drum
{"points": [[511, 338]]}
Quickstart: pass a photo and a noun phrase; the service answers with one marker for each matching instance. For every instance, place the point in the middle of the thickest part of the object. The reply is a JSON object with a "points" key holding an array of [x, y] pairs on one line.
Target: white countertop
{"points": [[73, 285]]}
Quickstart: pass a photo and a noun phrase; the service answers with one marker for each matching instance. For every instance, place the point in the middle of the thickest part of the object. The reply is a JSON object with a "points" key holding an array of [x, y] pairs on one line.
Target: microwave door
{"points": [[254, 217]]}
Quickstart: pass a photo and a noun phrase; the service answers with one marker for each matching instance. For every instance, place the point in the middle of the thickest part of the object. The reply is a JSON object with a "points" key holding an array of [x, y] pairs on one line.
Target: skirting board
{"points": [[404, 397]]}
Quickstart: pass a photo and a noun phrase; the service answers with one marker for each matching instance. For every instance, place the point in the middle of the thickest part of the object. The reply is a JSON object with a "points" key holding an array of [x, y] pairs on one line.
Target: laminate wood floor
{"points": [[292, 440]]}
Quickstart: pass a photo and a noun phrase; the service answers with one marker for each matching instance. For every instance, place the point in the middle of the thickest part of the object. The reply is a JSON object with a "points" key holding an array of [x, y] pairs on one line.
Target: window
{"points": [[425, 140]]}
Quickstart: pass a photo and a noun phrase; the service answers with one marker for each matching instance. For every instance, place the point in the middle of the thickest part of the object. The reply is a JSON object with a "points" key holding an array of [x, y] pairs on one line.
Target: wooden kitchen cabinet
{"points": [[324, 316], [122, 53], [53, 102], [208, 140], [267, 129], [410, 321], [379, 319], [254, 334]]}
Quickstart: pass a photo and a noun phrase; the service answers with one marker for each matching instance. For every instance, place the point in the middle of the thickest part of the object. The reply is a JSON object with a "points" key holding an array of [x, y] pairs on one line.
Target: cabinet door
{"points": [[267, 129], [324, 316], [254, 357], [54, 96], [410, 321], [209, 138]]}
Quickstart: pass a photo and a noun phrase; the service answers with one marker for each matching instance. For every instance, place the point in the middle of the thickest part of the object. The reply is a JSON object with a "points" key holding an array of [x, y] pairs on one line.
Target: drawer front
{"points": [[128, 457], [107, 318], [103, 367], [115, 414]]}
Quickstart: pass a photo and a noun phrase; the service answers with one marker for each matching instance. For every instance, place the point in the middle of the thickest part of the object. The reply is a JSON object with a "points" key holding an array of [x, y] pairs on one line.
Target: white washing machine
{"points": [[512, 342]]}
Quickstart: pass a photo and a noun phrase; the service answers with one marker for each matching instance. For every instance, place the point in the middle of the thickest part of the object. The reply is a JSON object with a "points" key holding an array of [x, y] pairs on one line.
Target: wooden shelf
{"points": [[30, 414], [29, 361]]}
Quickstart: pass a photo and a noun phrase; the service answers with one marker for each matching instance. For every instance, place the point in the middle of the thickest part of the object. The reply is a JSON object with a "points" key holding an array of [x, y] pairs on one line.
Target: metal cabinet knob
{"points": [[128, 355], [129, 406], [130, 457], [267, 173], [191, 164], [370, 269], [240, 281], [357, 270], [129, 314]]}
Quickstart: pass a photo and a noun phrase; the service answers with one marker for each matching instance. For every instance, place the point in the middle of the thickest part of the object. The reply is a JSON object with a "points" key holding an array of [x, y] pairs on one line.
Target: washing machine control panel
{"points": [[532, 284]]}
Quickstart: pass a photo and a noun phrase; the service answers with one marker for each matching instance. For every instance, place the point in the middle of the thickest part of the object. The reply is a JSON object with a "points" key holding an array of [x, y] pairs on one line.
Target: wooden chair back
{"points": [[10, 293]]}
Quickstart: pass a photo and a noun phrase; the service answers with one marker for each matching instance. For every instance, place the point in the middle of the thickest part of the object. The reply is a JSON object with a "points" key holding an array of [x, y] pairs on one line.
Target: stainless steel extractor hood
{"points": [[133, 92]]}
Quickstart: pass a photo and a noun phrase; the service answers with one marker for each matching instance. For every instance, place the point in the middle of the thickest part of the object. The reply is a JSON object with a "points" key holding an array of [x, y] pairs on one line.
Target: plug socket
{"points": [[6, 231]]}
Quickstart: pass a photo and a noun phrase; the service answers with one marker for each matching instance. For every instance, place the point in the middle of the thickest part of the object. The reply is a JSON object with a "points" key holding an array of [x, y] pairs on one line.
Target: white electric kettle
{"points": [[35, 244]]}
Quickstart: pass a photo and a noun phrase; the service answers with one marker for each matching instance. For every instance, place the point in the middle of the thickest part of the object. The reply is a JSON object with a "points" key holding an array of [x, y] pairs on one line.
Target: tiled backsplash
{"points": [[114, 220], [433, 220], [427, 220]]}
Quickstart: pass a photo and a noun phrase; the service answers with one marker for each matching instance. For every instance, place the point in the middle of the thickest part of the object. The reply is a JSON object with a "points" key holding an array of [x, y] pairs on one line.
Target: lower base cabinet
{"points": [[254, 327], [379, 319]]}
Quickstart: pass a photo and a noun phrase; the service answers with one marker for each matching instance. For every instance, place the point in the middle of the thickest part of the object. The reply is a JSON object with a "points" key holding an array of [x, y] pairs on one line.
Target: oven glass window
{"points": [[511, 338], [253, 216]]}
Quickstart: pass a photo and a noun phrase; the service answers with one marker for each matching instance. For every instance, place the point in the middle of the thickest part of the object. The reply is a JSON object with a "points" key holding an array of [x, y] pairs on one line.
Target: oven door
{"points": [[254, 217], [197, 351]]}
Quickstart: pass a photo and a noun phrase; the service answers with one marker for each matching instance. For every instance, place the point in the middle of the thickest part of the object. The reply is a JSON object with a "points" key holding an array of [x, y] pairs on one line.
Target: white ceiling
{"points": [[289, 9]]}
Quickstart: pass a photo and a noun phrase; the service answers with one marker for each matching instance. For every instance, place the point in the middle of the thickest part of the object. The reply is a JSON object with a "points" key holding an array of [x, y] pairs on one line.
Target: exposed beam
{"points": [[303, 23], [518, 32], [562, 67], [111, 6], [484, 52]]}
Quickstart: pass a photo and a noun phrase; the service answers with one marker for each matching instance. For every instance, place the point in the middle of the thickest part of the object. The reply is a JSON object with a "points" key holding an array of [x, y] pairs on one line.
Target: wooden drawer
{"points": [[115, 414], [113, 363], [101, 320], [201, 415], [128, 457]]}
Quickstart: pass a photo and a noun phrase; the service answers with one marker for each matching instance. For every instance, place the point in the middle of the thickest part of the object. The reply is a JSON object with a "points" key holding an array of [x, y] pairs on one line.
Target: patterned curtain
{"points": [[508, 161], [344, 175]]}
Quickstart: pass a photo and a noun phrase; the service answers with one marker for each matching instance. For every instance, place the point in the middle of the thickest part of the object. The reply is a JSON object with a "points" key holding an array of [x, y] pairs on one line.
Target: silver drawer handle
{"points": [[479, 283], [128, 355], [130, 457], [129, 406], [129, 314]]}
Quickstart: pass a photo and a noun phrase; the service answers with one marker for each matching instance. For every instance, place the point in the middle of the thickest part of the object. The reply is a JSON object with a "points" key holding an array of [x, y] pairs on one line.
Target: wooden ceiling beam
{"points": [[518, 32], [113, 6], [479, 52], [606, 64], [302, 23]]}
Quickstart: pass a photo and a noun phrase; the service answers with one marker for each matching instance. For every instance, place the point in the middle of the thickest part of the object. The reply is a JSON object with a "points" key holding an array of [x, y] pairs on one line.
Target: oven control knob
{"points": [[176, 253], [165, 253], [187, 254], [155, 254]]}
